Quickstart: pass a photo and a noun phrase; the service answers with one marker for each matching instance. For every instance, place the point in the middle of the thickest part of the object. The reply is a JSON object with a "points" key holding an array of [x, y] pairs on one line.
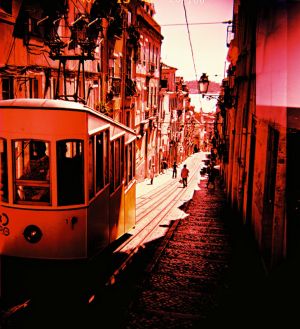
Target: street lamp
{"points": [[203, 84]]}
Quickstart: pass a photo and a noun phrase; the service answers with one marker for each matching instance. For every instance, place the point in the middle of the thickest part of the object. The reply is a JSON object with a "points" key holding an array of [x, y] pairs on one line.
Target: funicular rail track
{"points": [[152, 211]]}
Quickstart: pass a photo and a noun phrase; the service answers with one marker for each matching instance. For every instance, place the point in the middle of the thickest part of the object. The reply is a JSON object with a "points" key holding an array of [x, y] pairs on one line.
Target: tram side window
{"points": [[122, 154], [31, 167], [101, 160], [133, 159], [106, 155], [91, 168], [112, 167], [70, 178], [3, 171], [130, 162], [117, 163]]}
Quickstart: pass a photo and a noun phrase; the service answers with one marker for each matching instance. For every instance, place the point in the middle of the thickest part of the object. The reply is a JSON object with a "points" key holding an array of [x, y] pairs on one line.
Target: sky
{"points": [[208, 40], [207, 105]]}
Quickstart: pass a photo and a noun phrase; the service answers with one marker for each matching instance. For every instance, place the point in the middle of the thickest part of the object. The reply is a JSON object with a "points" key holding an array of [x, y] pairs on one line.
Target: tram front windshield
{"points": [[32, 183], [3, 171], [32, 167]]}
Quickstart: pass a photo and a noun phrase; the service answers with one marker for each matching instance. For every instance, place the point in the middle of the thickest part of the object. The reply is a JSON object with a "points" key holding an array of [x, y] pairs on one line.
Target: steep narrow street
{"points": [[101, 101], [206, 267]]}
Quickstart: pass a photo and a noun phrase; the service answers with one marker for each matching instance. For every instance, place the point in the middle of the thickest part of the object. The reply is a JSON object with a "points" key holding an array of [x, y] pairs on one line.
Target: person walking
{"points": [[211, 177], [184, 175], [151, 174], [174, 175]]}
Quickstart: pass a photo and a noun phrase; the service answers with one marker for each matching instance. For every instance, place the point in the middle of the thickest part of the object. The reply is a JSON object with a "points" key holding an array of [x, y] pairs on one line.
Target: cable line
{"points": [[187, 25], [199, 23]]}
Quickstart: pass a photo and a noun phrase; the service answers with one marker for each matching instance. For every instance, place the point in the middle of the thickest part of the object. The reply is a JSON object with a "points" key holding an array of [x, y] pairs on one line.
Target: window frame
{"points": [[105, 165], [129, 162], [72, 140], [4, 167], [43, 184], [117, 166], [7, 93]]}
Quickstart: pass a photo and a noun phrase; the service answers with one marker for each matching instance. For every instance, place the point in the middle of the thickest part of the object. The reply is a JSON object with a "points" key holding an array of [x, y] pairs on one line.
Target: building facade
{"points": [[261, 132], [105, 54], [148, 84]]}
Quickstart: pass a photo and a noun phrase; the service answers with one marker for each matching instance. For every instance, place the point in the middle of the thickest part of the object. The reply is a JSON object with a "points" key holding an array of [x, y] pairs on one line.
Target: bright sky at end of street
{"points": [[208, 40]]}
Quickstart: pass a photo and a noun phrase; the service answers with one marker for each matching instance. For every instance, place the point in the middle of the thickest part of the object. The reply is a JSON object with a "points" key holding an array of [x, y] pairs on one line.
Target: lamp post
{"points": [[203, 84]]}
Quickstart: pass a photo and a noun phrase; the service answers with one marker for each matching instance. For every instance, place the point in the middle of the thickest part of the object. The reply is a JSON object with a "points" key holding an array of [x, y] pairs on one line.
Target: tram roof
{"points": [[57, 104]]}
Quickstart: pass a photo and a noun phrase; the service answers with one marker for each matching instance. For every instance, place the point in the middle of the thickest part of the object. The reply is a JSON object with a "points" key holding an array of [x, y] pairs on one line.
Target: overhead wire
{"points": [[190, 40], [197, 23]]}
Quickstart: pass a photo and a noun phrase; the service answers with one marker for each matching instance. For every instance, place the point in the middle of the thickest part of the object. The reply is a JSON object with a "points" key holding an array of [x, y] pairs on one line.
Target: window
{"points": [[127, 118], [130, 163], [164, 83], [6, 6], [3, 171], [8, 88], [111, 68], [70, 169], [117, 163], [106, 156], [91, 168], [33, 27], [54, 87], [129, 18], [116, 86], [112, 166], [33, 88], [128, 67], [99, 162], [150, 96], [31, 171]]}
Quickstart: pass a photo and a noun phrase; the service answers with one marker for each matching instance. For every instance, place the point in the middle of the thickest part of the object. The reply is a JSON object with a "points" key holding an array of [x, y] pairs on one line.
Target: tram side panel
{"points": [[130, 209], [98, 223], [44, 234], [130, 184], [116, 220]]}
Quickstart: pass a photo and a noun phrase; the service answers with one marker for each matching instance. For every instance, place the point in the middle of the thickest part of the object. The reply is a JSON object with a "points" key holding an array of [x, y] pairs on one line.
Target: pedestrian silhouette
{"points": [[151, 174], [211, 177], [174, 175], [184, 175]]}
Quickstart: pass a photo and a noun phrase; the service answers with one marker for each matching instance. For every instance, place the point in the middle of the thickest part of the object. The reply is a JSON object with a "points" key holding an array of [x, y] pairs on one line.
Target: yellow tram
{"points": [[67, 179]]}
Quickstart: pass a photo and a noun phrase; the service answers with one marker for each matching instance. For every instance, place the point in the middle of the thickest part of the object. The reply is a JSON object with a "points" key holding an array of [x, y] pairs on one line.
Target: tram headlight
{"points": [[32, 234]]}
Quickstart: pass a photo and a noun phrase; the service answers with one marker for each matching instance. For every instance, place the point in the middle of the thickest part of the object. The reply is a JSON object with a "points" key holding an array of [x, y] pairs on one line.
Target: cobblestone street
{"points": [[199, 276]]}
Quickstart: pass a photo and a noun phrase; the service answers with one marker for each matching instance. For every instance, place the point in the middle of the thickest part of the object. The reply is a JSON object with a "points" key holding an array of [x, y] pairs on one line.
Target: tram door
{"points": [[98, 187]]}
